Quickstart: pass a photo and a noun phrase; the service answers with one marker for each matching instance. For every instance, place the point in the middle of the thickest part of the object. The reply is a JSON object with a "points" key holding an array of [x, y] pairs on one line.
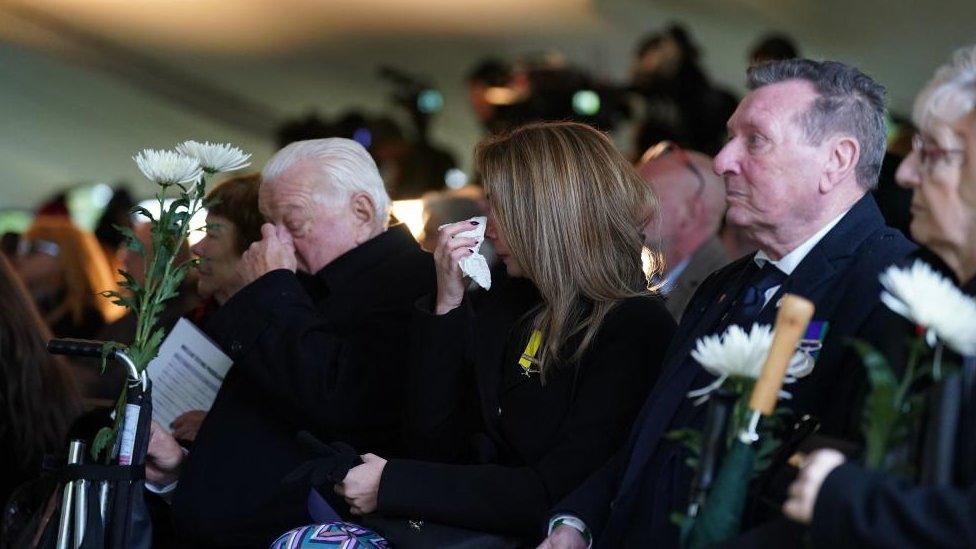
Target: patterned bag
{"points": [[344, 535]]}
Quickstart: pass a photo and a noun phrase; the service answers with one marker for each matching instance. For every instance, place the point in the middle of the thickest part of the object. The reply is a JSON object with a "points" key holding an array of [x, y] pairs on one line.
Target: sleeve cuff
{"points": [[162, 490], [573, 522]]}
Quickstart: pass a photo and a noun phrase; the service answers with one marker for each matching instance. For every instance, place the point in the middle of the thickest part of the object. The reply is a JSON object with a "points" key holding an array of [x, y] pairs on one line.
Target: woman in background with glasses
{"points": [[845, 505], [65, 269]]}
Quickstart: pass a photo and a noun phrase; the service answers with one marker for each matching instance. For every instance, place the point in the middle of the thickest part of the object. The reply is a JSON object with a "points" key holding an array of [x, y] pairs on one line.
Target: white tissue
{"points": [[475, 265]]}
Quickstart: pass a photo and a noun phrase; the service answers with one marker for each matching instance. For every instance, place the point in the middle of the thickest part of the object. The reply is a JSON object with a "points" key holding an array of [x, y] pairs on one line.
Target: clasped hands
{"points": [[275, 250], [362, 485]]}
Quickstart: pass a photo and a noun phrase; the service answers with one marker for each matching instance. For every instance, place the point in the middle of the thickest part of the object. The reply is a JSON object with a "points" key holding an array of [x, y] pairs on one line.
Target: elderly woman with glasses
{"points": [[845, 505]]}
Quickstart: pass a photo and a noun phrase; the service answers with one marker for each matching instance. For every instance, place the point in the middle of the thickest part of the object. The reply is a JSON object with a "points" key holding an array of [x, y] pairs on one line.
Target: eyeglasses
{"points": [[929, 155], [38, 246], [663, 148]]}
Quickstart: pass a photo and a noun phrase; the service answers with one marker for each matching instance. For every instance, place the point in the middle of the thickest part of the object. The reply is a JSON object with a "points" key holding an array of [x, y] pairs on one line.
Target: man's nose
{"points": [[726, 161]]}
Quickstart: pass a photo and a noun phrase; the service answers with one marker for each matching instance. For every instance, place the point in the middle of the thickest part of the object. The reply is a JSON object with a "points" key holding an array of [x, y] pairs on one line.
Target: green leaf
{"points": [[129, 282], [882, 408], [143, 212], [108, 348], [104, 439], [132, 241]]}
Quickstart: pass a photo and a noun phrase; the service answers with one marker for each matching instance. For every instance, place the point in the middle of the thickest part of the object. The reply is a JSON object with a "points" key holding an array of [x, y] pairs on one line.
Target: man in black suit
{"points": [[316, 337], [805, 147]]}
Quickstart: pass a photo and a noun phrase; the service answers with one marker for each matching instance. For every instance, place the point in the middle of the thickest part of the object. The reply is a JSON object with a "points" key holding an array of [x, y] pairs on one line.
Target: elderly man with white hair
{"points": [[317, 336]]}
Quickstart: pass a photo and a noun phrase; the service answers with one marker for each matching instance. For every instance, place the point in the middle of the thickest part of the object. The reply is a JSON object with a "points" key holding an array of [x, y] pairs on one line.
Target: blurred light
{"points": [[15, 221], [455, 178], [651, 263], [197, 222], [501, 96], [430, 101], [586, 102], [410, 213], [363, 136], [102, 194]]}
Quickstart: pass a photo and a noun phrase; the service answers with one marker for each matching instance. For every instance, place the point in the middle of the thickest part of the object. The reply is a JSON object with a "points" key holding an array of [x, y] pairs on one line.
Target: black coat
{"points": [[856, 508], [647, 481], [501, 447], [324, 354]]}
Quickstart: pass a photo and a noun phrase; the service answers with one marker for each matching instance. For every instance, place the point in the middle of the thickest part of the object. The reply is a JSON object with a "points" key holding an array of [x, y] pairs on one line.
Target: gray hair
{"points": [[951, 93], [346, 167], [850, 102]]}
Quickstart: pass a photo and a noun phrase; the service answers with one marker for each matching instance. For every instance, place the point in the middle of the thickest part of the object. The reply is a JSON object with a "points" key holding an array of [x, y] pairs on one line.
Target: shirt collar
{"points": [[349, 265], [671, 277], [789, 262]]}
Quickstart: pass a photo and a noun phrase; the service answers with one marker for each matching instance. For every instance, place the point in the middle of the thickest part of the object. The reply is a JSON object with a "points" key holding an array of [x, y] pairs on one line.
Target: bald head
{"points": [[692, 203]]}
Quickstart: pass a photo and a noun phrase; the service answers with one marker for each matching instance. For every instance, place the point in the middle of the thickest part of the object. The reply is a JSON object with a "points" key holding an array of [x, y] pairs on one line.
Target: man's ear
{"points": [[844, 155], [363, 212]]}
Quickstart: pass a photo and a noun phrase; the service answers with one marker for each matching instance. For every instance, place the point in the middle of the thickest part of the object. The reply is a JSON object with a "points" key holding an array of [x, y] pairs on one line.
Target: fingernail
{"points": [[474, 222]]}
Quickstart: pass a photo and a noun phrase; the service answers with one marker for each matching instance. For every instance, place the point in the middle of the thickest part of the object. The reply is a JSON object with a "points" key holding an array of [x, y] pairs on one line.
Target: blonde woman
{"points": [[515, 399], [65, 269]]}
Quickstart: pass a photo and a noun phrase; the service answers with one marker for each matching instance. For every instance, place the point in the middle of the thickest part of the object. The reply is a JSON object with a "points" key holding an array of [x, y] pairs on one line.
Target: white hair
{"points": [[951, 93], [346, 167]]}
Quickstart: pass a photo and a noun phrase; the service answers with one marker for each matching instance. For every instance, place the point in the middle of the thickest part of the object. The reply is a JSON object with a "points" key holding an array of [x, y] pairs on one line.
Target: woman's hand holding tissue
{"points": [[362, 485], [448, 253]]}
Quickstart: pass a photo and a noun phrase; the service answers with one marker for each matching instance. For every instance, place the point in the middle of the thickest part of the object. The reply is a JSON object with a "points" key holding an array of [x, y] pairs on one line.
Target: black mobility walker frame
{"points": [[102, 505]]}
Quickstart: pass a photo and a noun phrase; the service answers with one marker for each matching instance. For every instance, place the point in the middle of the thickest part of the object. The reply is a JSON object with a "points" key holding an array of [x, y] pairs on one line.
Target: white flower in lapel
{"points": [[933, 302], [738, 354]]}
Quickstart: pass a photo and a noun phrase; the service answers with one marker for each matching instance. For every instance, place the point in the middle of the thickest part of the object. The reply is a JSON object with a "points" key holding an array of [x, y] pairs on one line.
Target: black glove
{"points": [[328, 465]]}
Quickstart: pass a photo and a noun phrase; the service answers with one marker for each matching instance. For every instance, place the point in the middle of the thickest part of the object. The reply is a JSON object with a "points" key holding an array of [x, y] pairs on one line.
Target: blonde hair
{"points": [[571, 208], [950, 94], [86, 270]]}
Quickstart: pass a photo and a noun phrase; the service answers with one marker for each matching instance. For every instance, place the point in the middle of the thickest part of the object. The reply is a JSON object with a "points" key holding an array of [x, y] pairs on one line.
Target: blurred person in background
{"points": [[233, 224], [692, 205], [515, 399], [65, 269], [845, 505], [38, 396], [443, 207], [118, 213], [682, 104], [773, 47]]}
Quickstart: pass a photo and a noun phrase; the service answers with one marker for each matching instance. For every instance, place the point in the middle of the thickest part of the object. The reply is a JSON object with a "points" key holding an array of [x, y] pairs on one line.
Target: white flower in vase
{"points": [[737, 354], [215, 157], [932, 301], [168, 167]]}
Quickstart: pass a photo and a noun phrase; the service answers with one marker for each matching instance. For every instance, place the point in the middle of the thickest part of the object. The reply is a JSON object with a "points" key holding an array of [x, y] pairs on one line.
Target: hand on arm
{"points": [[362, 485], [804, 490]]}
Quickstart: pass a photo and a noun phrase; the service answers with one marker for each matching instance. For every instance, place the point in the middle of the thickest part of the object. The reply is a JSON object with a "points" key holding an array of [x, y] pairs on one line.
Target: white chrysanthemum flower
{"points": [[168, 167], [933, 302], [738, 354], [735, 353], [215, 157]]}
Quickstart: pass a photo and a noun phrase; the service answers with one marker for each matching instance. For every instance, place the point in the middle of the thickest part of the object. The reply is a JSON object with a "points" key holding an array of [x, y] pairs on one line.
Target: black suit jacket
{"points": [[647, 480], [324, 354], [499, 446]]}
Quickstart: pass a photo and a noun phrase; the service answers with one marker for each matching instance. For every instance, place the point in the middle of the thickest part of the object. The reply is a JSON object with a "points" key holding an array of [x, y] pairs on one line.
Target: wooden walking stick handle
{"points": [[794, 314]]}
